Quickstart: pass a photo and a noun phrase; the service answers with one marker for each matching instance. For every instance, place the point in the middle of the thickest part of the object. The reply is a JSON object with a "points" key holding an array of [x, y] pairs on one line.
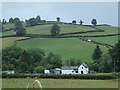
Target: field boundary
{"points": [[63, 76]]}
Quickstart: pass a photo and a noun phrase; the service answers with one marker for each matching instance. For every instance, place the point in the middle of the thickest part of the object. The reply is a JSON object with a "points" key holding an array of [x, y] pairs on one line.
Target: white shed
{"points": [[46, 71], [9, 72]]}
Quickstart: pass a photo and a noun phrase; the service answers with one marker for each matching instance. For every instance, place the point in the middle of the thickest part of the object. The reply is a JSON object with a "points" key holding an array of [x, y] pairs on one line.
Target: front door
{"points": [[81, 72]]}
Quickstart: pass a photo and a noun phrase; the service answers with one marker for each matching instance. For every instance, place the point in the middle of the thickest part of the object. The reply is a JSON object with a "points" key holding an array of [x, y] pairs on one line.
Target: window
{"points": [[82, 67], [76, 71]]}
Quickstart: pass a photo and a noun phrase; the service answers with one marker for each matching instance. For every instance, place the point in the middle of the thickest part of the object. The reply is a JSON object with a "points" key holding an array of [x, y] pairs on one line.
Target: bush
{"points": [[63, 76]]}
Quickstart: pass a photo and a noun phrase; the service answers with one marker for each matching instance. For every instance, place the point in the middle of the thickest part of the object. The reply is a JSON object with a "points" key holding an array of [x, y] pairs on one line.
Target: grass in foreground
{"points": [[60, 83]]}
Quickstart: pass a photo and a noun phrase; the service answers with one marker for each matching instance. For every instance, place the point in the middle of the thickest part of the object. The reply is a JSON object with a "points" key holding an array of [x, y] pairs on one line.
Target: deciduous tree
{"points": [[20, 30], [115, 55], [94, 22], [55, 29], [81, 22], [97, 54], [58, 19], [11, 20]]}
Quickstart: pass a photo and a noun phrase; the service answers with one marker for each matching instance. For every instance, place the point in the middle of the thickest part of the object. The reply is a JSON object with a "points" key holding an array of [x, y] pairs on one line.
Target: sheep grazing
{"points": [[37, 82], [89, 40]]}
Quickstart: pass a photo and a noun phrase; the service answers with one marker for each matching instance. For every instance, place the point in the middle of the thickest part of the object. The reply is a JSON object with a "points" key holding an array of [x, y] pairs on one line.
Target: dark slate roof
{"points": [[69, 67], [73, 67], [85, 65], [56, 69]]}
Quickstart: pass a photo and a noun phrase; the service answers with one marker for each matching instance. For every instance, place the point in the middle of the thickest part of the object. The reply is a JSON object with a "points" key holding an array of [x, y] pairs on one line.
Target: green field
{"points": [[66, 47], [7, 42], [108, 40], [60, 83], [8, 33], [9, 26], [107, 30], [45, 29]]}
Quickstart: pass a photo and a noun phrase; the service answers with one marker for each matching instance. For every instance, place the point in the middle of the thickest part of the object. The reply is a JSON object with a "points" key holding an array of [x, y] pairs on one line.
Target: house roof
{"points": [[85, 65], [69, 67], [73, 67], [56, 69]]}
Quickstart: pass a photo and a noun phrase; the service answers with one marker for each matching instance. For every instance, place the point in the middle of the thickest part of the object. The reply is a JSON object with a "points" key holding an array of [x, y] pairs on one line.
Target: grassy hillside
{"points": [[11, 32], [65, 28], [108, 40], [7, 42], [9, 26], [66, 47]]}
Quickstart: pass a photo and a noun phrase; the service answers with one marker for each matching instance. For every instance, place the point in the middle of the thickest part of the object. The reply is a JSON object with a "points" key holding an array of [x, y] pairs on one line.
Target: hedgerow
{"points": [[63, 76]]}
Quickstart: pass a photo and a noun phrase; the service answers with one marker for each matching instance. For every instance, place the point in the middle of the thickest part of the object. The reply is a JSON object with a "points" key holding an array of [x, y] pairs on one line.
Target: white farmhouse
{"points": [[82, 69]]}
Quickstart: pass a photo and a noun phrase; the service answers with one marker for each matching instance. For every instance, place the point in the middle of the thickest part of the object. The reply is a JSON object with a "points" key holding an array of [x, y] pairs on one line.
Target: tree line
{"points": [[20, 29], [28, 61], [35, 21]]}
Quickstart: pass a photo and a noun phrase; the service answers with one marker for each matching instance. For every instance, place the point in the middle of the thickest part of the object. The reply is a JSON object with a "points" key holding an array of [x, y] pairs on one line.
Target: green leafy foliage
{"points": [[32, 22], [73, 62], [40, 69], [97, 54], [94, 22], [29, 61], [16, 20], [96, 58], [55, 29], [81, 22], [20, 30], [115, 55], [38, 19], [10, 57], [106, 63], [58, 19], [54, 60], [4, 21], [63, 76], [11, 20], [74, 22]]}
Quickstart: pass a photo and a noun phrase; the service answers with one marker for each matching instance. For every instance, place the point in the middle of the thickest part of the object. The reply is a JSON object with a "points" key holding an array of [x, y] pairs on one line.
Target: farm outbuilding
{"points": [[47, 71], [9, 72], [56, 71]]}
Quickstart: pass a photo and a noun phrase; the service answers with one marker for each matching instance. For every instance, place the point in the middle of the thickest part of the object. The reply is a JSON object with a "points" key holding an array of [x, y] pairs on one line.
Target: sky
{"points": [[104, 12]]}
